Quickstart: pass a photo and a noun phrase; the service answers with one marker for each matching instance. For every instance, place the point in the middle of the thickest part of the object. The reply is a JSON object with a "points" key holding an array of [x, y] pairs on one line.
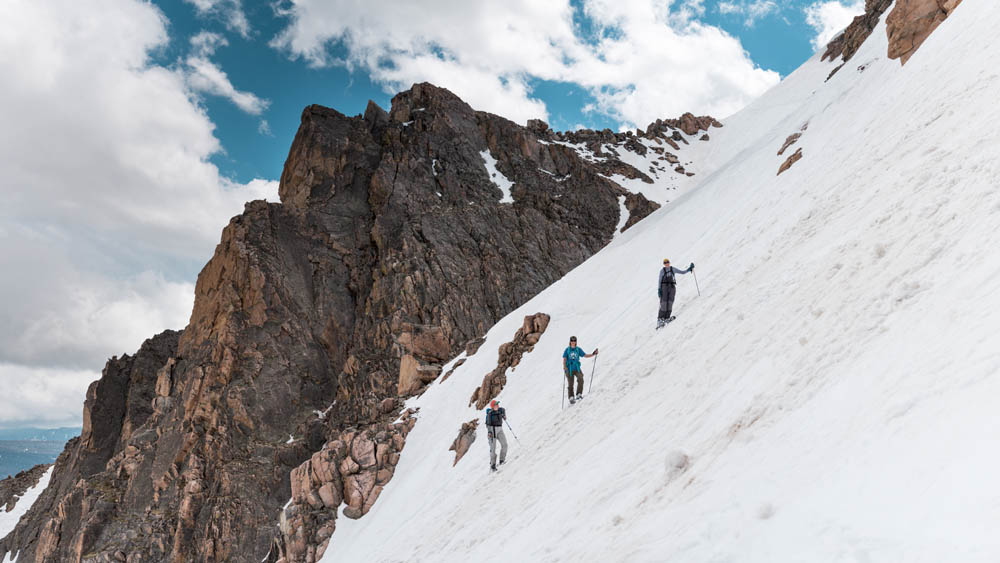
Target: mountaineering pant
{"points": [[667, 301], [579, 382], [495, 433]]}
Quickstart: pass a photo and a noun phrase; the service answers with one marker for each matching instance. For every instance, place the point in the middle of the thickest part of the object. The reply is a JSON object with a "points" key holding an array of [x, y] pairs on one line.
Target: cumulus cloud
{"points": [[111, 204], [641, 60], [229, 11], [830, 18]]}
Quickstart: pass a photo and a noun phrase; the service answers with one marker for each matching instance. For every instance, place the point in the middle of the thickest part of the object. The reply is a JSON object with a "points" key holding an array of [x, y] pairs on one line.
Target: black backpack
{"points": [[668, 277], [494, 417]]}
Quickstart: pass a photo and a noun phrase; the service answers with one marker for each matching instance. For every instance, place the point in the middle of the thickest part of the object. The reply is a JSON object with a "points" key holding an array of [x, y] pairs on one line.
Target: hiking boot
{"points": [[493, 467]]}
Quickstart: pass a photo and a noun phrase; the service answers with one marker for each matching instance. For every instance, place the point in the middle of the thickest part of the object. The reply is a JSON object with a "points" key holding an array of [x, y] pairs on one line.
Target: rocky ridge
{"points": [[391, 252]]}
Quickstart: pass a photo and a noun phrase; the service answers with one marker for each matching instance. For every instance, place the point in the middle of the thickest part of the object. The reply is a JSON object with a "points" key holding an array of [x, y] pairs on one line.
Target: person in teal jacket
{"points": [[571, 367]]}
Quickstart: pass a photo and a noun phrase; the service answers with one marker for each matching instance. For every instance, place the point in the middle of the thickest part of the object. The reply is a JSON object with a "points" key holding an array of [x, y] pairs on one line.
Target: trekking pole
{"points": [[511, 431], [593, 374], [696, 282], [562, 404]]}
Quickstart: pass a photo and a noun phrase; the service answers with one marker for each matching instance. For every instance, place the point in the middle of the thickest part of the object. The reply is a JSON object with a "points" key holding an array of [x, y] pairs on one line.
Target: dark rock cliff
{"points": [[391, 250]]}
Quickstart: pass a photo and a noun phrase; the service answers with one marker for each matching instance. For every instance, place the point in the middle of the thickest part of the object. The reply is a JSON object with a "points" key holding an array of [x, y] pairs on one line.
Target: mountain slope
{"points": [[828, 397]]}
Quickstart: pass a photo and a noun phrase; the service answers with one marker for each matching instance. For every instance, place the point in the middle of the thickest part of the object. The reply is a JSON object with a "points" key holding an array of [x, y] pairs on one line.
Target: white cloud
{"points": [[205, 76], [651, 59], [42, 396], [111, 204], [229, 11], [751, 10], [830, 18]]}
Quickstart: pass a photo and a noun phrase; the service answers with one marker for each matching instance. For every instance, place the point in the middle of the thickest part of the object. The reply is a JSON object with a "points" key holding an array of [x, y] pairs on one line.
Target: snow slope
{"points": [[833, 387]]}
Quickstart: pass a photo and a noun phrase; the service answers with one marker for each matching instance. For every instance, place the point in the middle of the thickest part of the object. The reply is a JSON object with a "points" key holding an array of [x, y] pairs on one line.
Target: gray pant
{"points": [[667, 301], [495, 434]]}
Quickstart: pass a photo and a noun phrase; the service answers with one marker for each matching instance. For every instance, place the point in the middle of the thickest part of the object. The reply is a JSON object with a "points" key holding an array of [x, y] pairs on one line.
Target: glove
{"points": [[595, 351], [659, 294], [691, 267]]}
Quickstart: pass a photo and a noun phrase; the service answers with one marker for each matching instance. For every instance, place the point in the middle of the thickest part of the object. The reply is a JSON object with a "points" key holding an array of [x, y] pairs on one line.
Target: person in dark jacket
{"points": [[666, 290], [495, 416]]}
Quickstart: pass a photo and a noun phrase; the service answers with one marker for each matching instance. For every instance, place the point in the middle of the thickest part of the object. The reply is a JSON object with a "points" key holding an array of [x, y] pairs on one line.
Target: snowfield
{"points": [[830, 396]]}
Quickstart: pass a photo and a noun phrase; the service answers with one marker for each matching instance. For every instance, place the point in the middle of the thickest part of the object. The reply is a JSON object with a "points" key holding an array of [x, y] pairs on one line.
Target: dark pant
{"points": [[579, 382], [667, 300]]}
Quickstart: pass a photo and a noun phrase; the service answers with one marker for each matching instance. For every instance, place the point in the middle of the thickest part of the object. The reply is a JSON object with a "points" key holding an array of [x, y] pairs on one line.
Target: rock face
{"points": [[13, 488], [510, 355], [912, 21], [847, 43], [389, 252]]}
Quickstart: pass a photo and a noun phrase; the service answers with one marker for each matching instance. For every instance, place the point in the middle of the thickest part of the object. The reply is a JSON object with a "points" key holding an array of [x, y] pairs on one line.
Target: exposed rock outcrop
{"points": [[510, 354], [466, 436], [389, 252], [791, 140], [911, 22], [352, 469], [790, 161]]}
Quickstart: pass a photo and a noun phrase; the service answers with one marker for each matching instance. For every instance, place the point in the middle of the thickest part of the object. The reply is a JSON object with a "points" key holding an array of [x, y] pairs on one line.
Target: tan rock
{"points": [[791, 140], [790, 161], [425, 341], [363, 451], [164, 378], [348, 466], [911, 22], [383, 476], [329, 495], [466, 436], [398, 441], [415, 374]]}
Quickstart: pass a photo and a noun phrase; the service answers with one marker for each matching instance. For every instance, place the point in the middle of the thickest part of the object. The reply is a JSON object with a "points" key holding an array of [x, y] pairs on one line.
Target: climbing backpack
{"points": [[494, 417], [667, 277]]}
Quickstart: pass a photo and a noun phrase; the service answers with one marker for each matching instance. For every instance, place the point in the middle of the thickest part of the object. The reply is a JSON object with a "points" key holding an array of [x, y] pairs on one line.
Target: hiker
{"points": [[495, 415], [666, 290], [571, 367]]}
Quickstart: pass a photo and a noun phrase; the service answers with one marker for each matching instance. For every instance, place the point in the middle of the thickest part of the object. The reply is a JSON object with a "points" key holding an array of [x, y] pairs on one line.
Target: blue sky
{"points": [[778, 39]]}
